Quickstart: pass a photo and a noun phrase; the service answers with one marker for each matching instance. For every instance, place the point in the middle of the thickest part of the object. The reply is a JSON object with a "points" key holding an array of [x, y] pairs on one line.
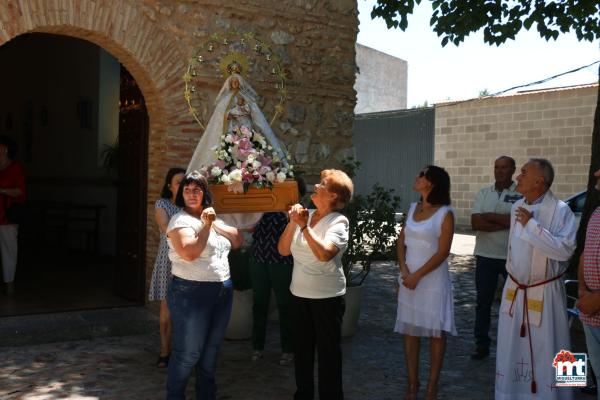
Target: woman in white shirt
{"points": [[200, 294], [317, 241]]}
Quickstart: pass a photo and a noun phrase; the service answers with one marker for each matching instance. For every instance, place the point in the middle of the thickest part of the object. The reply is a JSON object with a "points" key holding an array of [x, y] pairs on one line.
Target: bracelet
{"points": [[303, 228]]}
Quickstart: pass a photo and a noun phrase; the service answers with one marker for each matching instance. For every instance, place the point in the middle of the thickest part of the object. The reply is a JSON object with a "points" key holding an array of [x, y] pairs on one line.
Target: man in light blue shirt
{"points": [[490, 219]]}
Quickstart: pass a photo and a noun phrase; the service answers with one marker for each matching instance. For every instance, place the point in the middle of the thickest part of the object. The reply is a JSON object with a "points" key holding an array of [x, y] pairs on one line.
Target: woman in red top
{"points": [[12, 190]]}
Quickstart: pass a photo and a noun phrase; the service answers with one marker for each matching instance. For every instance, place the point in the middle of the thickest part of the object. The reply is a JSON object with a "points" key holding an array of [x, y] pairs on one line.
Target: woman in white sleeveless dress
{"points": [[425, 303]]}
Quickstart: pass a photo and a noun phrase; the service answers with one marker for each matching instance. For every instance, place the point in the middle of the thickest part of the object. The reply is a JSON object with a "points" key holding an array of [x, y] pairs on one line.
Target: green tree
{"points": [[425, 104], [454, 20]]}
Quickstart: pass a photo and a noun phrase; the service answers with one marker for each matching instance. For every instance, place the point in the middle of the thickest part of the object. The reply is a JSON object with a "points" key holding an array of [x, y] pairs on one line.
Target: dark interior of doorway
{"points": [[81, 245]]}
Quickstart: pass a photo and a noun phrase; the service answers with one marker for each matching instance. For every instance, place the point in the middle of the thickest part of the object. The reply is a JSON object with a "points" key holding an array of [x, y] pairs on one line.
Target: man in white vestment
{"points": [[533, 324]]}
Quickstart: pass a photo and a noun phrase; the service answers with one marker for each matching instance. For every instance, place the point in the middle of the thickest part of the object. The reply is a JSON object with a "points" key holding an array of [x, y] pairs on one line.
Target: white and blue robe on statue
{"points": [[537, 252]]}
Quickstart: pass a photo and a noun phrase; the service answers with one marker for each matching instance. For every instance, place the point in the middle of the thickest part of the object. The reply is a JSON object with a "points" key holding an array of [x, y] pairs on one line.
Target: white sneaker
{"points": [[256, 355], [286, 359]]}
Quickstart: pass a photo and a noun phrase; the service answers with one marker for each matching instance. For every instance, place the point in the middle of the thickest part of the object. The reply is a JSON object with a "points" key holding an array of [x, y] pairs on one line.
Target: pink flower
{"points": [[247, 176], [245, 148], [264, 160], [236, 187], [220, 163]]}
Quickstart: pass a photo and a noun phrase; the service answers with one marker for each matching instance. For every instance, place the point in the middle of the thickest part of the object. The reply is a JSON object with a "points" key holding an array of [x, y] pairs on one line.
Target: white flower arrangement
{"points": [[244, 160]]}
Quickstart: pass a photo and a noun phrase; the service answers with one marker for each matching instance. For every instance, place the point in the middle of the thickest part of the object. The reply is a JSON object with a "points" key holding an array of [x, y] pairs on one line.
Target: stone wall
{"points": [[381, 81], [154, 39], [553, 124]]}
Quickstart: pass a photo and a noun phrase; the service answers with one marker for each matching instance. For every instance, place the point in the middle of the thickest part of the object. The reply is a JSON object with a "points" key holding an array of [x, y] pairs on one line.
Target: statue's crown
{"points": [[234, 67]]}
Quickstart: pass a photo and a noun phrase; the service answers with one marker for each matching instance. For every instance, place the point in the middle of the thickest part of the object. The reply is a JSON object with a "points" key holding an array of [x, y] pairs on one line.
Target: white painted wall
{"points": [[381, 81]]}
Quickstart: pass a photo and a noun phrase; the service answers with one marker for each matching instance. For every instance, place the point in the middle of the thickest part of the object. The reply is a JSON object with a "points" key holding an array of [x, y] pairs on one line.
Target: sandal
{"points": [[163, 361]]}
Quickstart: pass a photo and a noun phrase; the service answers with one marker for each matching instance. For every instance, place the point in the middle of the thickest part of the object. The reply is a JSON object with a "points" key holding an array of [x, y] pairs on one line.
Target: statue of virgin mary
{"points": [[235, 106]]}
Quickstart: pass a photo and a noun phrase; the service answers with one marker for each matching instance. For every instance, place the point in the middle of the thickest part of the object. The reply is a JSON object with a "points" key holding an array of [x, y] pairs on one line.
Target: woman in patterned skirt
{"points": [[165, 208]]}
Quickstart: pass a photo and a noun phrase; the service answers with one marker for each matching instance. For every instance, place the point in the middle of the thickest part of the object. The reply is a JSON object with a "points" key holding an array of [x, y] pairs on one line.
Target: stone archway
{"points": [[128, 31]]}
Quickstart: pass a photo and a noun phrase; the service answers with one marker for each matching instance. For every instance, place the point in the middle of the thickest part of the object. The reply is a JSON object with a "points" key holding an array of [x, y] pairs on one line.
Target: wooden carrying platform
{"points": [[282, 196]]}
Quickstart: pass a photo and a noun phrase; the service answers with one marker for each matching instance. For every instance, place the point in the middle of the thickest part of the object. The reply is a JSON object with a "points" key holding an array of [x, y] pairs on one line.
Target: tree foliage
{"points": [[372, 232], [372, 228], [454, 20]]}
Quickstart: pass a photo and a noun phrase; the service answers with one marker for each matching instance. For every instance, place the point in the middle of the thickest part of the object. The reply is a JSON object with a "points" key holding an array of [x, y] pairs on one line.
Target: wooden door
{"points": [[132, 189]]}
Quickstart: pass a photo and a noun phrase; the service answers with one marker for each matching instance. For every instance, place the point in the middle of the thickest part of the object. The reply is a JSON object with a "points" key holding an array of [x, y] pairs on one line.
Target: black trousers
{"points": [[317, 325]]}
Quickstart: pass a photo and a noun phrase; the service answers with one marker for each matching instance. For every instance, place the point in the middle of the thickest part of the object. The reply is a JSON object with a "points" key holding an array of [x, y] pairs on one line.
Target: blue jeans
{"points": [[200, 313], [486, 280], [592, 339]]}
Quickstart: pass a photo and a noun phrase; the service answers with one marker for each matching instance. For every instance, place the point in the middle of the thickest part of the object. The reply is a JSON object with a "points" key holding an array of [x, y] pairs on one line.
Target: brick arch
{"points": [[122, 28]]}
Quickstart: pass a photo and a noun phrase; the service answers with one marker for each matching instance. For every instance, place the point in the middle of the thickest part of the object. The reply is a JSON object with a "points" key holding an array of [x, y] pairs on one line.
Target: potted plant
{"points": [[372, 236]]}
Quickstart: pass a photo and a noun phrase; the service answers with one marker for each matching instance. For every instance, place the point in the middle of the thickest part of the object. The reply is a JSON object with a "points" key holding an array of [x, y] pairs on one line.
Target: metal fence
{"points": [[393, 147]]}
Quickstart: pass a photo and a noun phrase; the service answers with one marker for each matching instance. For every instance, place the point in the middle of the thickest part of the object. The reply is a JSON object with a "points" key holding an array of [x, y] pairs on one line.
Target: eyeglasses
{"points": [[192, 192]]}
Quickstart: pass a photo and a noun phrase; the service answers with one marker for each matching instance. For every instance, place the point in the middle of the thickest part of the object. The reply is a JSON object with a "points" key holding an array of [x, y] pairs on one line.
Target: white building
{"points": [[381, 81]]}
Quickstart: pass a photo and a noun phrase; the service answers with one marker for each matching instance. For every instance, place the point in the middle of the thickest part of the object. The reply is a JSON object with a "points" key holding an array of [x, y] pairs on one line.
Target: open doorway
{"points": [[81, 126]]}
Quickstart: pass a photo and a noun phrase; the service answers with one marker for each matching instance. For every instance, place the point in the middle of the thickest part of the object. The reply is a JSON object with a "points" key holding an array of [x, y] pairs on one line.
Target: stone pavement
{"points": [[123, 367]]}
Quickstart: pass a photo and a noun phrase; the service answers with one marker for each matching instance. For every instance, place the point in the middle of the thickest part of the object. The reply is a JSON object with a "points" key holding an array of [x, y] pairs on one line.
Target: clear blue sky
{"points": [[437, 74]]}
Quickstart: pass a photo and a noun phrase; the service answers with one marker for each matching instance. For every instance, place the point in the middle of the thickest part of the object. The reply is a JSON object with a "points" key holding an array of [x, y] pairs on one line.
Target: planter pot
{"points": [[240, 323], [279, 198], [353, 299]]}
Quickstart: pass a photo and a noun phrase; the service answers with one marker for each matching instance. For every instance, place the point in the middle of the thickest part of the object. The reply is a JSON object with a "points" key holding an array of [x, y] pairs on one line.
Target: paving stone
{"points": [[123, 367]]}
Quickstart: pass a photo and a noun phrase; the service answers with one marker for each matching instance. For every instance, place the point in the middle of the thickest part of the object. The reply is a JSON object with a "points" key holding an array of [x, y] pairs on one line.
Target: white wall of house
{"points": [[381, 81]]}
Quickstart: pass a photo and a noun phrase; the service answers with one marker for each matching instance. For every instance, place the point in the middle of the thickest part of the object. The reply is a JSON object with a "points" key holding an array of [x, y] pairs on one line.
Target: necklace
{"points": [[422, 208]]}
